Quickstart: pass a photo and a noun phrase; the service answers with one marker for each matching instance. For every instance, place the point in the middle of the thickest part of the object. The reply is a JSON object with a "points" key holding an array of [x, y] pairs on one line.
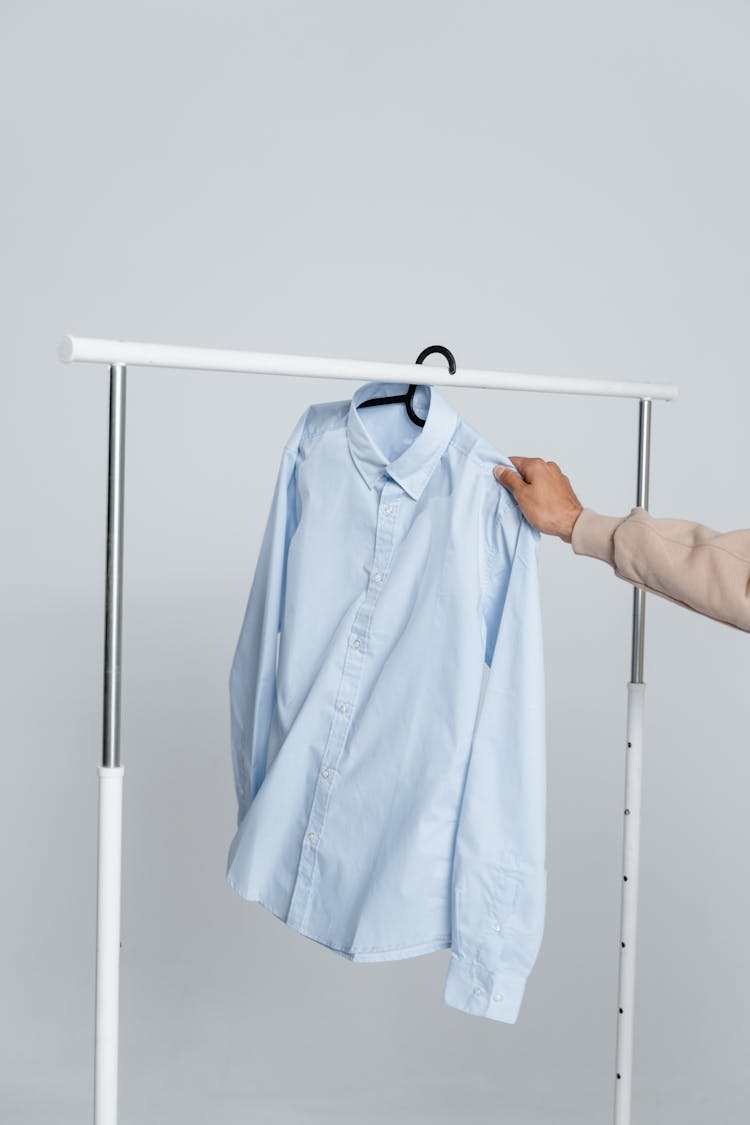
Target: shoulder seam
{"points": [[333, 421]]}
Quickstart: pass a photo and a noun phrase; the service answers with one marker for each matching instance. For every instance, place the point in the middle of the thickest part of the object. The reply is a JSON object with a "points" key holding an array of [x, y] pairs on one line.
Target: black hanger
{"points": [[408, 397]]}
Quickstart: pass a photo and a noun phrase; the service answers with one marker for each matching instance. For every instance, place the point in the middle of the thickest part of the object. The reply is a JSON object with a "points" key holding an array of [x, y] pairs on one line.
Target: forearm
{"points": [[687, 563]]}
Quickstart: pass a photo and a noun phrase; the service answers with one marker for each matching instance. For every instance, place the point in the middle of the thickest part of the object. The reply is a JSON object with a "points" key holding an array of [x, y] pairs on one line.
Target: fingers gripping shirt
{"points": [[387, 701]]}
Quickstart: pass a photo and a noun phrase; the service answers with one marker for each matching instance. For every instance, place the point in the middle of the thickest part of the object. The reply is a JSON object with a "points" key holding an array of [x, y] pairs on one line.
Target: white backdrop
{"points": [[556, 189]]}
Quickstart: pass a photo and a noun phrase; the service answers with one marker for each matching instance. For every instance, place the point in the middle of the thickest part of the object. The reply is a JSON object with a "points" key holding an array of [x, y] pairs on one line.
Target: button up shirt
{"points": [[387, 700]]}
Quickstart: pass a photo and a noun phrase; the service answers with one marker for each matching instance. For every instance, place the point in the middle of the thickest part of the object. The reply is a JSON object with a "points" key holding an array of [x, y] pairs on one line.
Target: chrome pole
{"points": [[110, 778], [639, 596], [632, 812]]}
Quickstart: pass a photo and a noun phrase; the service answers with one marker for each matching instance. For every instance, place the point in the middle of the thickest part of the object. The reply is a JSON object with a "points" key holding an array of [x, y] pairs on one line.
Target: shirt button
{"points": [[357, 642], [326, 773], [498, 996], [376, 576], [496, 925], [477, 991], [343, 708], [388, 509], [311, 835]]}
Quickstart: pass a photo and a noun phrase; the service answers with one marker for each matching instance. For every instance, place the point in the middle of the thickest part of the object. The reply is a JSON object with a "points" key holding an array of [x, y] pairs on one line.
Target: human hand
{"points": [[544, 494]]}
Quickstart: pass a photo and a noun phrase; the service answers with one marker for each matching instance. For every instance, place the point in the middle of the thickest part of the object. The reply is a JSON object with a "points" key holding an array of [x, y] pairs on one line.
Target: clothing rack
{"points": [[118, 355]]}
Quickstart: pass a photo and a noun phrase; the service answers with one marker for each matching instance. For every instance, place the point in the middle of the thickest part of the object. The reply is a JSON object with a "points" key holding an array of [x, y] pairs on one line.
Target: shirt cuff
{"points": [[593, 535], [479, 992]]}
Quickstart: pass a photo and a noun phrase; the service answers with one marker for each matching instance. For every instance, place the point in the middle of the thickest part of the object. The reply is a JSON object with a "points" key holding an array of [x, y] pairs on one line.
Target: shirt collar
{"points": [[412, 468]]}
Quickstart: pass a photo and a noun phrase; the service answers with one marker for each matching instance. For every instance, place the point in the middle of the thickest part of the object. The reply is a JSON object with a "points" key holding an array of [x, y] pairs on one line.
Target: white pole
{"points": [[108, 945], [78, 348], [629, 904], [632, 813], [110, 778]]}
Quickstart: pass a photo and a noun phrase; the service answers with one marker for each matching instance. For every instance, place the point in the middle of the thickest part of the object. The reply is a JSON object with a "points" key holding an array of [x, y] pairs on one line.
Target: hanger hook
{"points": [[413, 386], [408, 398], [441, 351]]}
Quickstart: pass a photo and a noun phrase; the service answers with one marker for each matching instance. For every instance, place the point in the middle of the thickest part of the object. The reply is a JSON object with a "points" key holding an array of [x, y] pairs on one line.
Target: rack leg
{"points": [[110, 780], [632, 813], [108, 945], [629, 903]]}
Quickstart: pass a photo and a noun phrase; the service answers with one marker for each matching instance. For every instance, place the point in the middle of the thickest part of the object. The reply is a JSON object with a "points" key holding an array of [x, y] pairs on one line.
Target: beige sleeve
{"points": [[704, 570]]}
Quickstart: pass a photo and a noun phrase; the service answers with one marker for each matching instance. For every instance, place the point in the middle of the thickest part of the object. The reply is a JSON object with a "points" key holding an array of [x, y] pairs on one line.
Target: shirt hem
{"points": [[391, 953]]}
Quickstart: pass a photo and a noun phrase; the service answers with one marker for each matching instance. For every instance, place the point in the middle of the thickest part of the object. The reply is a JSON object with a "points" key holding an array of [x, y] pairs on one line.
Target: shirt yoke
{"points": [[480, 453]]}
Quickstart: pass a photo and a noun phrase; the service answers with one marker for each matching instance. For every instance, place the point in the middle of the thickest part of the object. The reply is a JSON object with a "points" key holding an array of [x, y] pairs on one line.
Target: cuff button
{"points": [[477, 991], [498, 996]]}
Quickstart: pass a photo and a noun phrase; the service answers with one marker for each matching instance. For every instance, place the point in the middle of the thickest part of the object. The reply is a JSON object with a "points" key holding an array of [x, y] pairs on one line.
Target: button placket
{"points": [[351, 673], [384, 534]]}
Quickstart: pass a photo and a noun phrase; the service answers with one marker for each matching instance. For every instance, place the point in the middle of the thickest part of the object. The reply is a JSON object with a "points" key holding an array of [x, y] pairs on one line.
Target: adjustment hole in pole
{"points": [[629, 745], [618, 1075], [622, 943], [627, 812], [620, 1010], [625, 878]]}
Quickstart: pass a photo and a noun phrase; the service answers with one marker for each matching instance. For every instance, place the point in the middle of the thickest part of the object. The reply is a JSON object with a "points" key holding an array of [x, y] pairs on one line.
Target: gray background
{"points": [[550, 188]]}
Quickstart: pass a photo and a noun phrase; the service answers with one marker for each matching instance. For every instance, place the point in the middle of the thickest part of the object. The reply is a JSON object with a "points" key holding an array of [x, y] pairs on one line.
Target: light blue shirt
{"points": [[386, 809]]}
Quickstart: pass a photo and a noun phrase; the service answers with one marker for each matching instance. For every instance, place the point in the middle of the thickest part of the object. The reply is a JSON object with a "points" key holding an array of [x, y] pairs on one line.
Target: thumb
{"points": [[510, 478]]}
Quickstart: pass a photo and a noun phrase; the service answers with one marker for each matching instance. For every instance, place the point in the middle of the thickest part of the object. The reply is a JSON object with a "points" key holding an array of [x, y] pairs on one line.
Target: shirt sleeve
{"points": [[688, 563], [499, 875], [252, 678]]}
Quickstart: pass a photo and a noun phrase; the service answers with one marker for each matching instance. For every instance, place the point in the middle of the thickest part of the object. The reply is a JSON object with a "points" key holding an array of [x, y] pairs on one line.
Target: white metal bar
{"points": [[631, 843], [74, 349], [106, 1034], [629, 904]]}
